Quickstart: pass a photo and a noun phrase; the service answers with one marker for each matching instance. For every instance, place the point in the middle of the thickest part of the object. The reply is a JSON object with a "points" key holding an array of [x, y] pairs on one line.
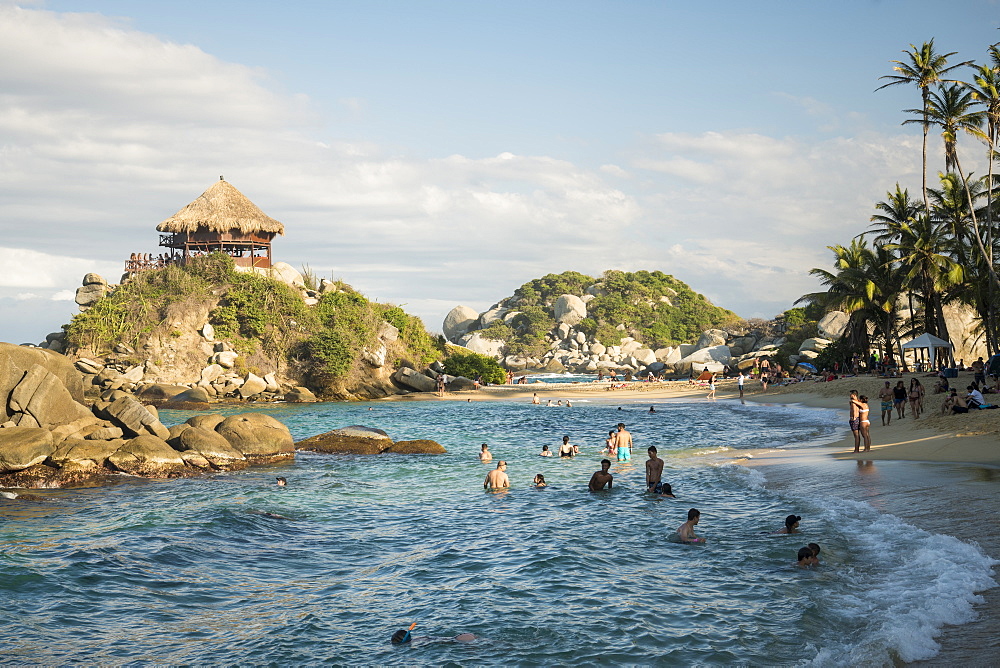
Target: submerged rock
{"points": [[354, 440], [417, 447]]}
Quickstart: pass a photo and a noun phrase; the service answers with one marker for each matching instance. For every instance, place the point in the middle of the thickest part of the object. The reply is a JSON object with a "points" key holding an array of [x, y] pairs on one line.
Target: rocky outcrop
{"points": [[414, 380], [94, 287], [832, 325], [300, 395], [354, 440], [257, 436], [570, 309], [479, 344], [417, 447], [21, 447], [148, 456]]}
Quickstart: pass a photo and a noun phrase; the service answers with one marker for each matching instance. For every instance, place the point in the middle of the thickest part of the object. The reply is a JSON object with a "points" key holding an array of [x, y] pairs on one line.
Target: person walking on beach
{"points": [[854, 420], [654, 470], [685, 532], [739, 383], [601, 478], [485, 455], [711, 387], [497, 478], [899, 399], [623, 443], [916, 395], [885, 396]]}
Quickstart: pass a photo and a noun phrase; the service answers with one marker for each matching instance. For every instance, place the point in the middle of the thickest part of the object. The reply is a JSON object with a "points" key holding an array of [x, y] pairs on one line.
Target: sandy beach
{"points": [[973, 438]]}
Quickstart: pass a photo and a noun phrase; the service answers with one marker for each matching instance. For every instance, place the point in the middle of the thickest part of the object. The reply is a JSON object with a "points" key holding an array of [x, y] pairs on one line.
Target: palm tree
{"points": [[867, 286], [897, 210], [922, 260], [923, 68]]}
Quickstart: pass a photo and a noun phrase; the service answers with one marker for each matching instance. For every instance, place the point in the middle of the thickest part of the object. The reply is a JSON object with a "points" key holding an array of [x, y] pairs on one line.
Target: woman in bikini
{"points": [[865, 422], [916, 396]]}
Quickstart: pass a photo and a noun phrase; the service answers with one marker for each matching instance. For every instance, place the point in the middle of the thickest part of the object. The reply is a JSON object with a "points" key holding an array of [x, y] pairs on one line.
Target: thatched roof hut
{"points": [[221, 220], [220, 209]]}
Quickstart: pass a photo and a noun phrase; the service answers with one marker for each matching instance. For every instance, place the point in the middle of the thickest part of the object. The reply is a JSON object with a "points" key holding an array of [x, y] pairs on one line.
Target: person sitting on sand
{"points": [[685, 532], [566, 450], [805, 558], [545, 452], [814, 548], [485, 455], [403, 637], [497, 478], [601, 478], [974, 399], [791, 524], [539, 480], [954, 404]]}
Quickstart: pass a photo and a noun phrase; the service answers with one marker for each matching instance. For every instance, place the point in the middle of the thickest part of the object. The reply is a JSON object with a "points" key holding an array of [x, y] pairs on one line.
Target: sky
{"points": [[441, 153]]}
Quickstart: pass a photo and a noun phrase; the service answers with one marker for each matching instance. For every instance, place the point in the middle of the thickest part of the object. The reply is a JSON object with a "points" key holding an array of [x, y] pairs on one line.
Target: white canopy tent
{"points": [[929, 342]]}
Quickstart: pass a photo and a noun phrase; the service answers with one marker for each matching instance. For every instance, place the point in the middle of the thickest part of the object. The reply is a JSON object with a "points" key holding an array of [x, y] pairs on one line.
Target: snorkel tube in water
{"points": [[401, 636]]}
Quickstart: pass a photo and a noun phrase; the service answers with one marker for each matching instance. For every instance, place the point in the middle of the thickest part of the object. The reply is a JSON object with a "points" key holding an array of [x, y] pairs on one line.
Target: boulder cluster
{"points": [[427, 380], [573, 350], [361, 440], [49, 437]]}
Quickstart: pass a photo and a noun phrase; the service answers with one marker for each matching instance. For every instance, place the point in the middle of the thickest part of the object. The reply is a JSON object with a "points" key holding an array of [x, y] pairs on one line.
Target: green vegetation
{"points": [[473, 365], [656, 308], [941, 249], [256, 315]]}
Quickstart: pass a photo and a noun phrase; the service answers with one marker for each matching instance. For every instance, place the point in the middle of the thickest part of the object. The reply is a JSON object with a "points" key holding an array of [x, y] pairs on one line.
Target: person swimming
{"points": [[805, 557], [791, 524], [664, 490], [404, 636], [685, 532], [539, 480], [815, 550], [282, 482], [545, 452]]}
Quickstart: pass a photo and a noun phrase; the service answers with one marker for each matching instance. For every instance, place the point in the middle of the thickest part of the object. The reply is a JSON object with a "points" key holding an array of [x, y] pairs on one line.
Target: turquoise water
{"points": [[230, 568]]}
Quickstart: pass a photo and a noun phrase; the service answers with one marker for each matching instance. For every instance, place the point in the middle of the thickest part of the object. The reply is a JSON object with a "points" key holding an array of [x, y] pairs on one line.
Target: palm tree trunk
{"points": [[990, 310], [987, 256], [924, 93]]}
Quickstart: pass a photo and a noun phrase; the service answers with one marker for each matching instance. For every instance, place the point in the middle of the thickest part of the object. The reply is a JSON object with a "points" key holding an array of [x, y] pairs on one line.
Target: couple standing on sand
{"points": [[859, 422]]}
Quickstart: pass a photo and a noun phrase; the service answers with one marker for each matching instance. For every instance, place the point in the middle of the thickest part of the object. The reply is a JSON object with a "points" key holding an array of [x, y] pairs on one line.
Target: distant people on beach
{"points": [[485, 455], [974, 399], [685, 532], [885, 396], [954, 404], [916, 397], [623, 443], [654, 470], [497, 478], [440, 386], [601, 478], [899, 396], [711, 387], [566, 449], [791, 524], [739, 383], [545, 452]]}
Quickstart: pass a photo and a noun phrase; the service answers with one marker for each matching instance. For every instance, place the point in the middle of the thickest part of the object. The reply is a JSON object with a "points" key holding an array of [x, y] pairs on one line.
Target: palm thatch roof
{"points": [[219, 209]]}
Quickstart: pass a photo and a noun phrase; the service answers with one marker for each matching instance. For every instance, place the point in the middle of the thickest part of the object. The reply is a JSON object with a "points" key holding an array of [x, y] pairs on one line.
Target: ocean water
{"points": [[230, 568]]}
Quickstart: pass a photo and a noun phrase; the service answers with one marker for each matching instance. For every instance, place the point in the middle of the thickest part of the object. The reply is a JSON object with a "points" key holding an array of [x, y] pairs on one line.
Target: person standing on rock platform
{"points": [[623, 443]]}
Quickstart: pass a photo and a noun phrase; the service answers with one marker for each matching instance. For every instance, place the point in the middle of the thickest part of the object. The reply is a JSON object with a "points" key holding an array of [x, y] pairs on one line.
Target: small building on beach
{"points": [[222, 220]]}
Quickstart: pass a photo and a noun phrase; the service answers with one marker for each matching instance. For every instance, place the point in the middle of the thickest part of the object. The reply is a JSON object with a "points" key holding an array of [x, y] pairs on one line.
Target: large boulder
{"points": [[211, 445], [252, 386], [21, 447], [461, 383], [94, 279], [159, 392], [458, 322], [84, 454], [210, 421], [257, 436], [87, 295], [832, 325], [644, 356], [711, 337], [491, 316], [284, 272], [43, 400], [388, 332], [417, 447], [413, 379], [374, 356], [300, 395], [815, 344], [354, 440], [15, 361], [196, 395], [569, 309], [719, 355], [210, 373], [147, 455], [127, 413], [668, 355], [477, 343], [226, 359]]}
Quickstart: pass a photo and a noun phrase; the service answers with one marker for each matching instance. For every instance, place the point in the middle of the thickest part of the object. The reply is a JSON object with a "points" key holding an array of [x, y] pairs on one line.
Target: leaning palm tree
{"points": [[897, 210], [952, 111], [923, 68]]}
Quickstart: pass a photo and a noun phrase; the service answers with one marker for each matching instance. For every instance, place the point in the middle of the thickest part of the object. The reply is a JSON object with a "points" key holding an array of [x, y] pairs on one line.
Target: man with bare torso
{"points": [[601, 478], [885, 396], [855, 418], [623, 442], [485, 455], [497, 478], [654, 471]]}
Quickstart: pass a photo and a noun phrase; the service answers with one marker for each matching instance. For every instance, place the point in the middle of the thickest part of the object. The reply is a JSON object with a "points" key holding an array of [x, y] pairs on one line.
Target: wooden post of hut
{"points": [[222, 220]]}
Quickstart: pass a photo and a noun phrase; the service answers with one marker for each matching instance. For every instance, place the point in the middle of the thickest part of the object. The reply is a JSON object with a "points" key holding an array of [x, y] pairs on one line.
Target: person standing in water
{"points": [[711, 387], [654, 470], [601, 478], [685, 532], [535, 399], [566, 449], [485, 455], [497, 478], [623, 443], [609, 444]]}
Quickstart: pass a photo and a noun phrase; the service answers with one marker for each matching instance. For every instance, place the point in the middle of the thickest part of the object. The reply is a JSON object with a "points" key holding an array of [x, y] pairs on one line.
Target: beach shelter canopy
{"points": [[705, 375], [928, 341], [220, 209]]}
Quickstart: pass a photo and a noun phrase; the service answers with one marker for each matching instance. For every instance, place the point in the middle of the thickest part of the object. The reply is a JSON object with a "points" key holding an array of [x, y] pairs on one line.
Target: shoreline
{"points": [[973, 438]]}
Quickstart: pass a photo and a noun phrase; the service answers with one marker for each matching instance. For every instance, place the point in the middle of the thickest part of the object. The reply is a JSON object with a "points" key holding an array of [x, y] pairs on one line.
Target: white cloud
{"points": [[24, 268]]}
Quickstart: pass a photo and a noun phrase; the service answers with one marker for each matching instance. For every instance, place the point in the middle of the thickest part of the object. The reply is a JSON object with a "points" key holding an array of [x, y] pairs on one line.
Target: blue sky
{"points": [[439, 153]]}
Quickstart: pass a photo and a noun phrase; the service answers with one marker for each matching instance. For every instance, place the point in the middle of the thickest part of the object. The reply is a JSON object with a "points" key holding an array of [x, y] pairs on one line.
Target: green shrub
{"points": [[474, 365]]}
